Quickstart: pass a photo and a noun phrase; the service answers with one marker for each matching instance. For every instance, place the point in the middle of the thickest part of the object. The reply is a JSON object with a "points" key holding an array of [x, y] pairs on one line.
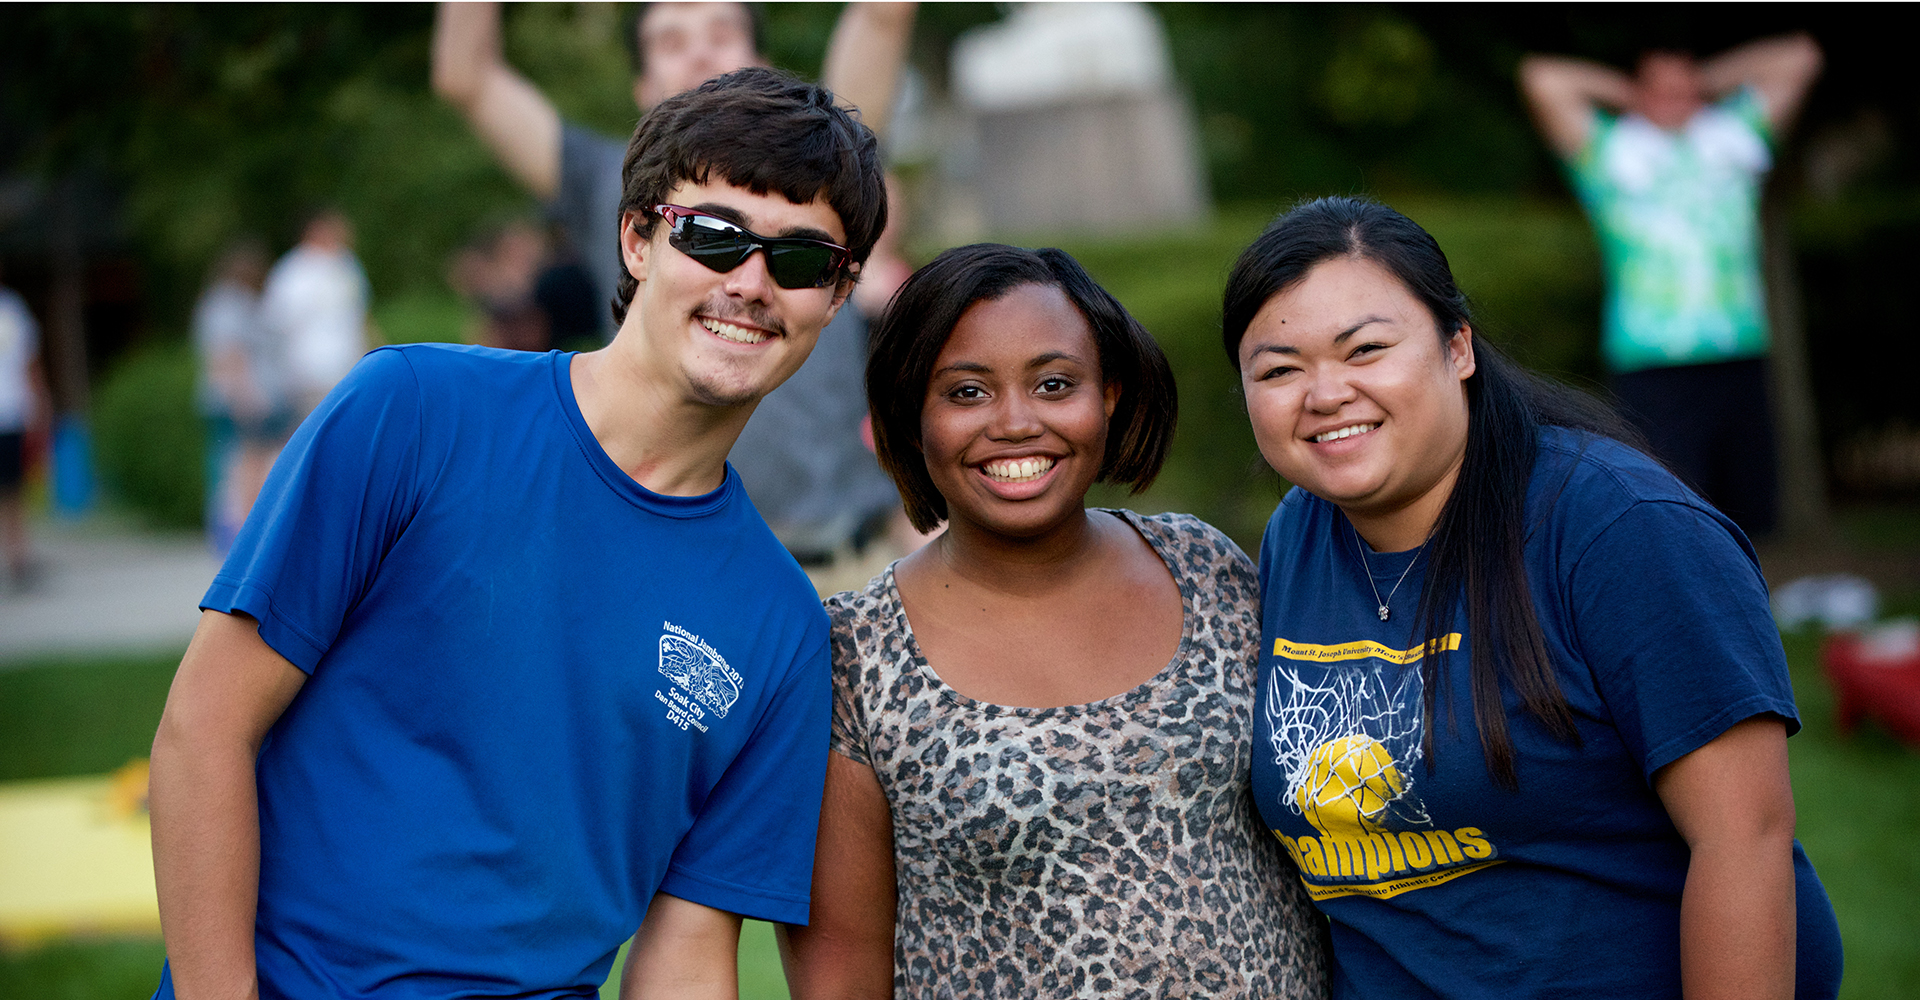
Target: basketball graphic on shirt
{"points": [[1348, 785]]}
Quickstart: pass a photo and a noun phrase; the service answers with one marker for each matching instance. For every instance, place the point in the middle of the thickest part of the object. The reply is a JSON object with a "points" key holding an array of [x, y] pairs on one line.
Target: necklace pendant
{"points": [[1383, 612]]}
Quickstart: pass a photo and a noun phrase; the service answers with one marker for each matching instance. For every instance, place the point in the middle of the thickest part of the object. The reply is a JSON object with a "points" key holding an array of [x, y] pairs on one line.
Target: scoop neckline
{"points": [[1188, 623]]}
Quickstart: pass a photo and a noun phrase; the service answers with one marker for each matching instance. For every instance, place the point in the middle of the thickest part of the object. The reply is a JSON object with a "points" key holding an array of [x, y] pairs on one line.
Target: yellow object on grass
{"points": [[75, 857]]}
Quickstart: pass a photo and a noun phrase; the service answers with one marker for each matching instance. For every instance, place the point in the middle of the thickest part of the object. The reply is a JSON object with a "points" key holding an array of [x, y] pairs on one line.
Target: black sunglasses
{"points": [[792, 262]]}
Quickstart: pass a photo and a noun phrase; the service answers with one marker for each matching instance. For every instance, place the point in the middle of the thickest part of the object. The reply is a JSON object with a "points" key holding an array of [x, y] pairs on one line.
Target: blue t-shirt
{"points": [[1439, 882], [538, 691]]}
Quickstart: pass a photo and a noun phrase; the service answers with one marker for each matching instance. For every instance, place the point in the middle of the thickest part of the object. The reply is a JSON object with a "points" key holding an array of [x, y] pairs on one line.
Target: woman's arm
{"points": [[1732, 802], [846, 951]]}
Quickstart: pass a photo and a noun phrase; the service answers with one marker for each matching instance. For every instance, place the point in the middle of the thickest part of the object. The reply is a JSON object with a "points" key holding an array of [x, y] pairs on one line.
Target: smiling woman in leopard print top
{"points": [[1042, 721]]}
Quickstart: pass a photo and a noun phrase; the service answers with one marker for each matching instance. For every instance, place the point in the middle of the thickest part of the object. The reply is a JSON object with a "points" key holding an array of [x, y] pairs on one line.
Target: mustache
{"points": [[729, 310]]}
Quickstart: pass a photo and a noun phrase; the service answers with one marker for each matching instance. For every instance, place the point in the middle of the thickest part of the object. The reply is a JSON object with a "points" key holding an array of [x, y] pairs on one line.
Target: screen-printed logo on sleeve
{"points": [[1348, 740], [703, 684]]}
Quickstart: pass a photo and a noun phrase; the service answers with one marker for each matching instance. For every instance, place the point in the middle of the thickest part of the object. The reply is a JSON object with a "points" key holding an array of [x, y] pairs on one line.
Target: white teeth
{"points": [[1344, 432], [1018, 470], [737, 334]]}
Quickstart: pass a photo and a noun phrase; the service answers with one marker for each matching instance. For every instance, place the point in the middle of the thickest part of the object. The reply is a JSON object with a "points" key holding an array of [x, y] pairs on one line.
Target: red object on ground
{"points": [[1878, 675]]}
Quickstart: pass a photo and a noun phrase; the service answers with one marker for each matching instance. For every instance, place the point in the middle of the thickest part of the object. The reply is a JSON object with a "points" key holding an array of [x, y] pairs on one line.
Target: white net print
{"points": [[1371, 699]]}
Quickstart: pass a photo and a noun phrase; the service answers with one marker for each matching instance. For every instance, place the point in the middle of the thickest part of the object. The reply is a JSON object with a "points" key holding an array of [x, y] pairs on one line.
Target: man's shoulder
{"points": [[465, 359], [456, 388]]}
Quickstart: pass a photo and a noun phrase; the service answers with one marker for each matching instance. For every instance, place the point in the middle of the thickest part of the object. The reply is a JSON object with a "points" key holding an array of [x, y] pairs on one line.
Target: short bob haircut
{"points": [[929, 305], [764, 131]]}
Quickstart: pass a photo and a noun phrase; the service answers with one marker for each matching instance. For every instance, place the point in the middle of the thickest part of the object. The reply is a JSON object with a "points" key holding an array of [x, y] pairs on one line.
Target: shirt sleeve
{"points": [[1671, 614], [750, 850], [338, 497], [849, 735]]}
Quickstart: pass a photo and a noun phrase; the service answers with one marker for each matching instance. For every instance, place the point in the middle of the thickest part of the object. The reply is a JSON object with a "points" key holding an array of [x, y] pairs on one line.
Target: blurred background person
{"points": [[241, 389], [675, 47], [801, 457], [498, 273], [1669, 164], [25, 411], [565, 293], [315, 303]]}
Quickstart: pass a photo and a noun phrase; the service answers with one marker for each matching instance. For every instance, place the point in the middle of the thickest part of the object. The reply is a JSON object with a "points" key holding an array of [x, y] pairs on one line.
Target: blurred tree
{"points": [[243, 118]]}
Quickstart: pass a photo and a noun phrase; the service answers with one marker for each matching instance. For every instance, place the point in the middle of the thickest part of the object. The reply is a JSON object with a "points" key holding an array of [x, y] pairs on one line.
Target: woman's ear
{"points": [[1460, 352], [1110, 393]]}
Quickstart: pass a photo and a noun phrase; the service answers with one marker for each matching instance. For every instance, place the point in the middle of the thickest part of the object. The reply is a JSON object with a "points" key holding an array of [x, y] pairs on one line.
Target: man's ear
{"points": [[634, 245], [843, 289]]}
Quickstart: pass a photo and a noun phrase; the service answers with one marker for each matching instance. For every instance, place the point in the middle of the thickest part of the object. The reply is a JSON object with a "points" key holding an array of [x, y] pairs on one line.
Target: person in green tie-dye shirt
{"points": [[1669, 164]]}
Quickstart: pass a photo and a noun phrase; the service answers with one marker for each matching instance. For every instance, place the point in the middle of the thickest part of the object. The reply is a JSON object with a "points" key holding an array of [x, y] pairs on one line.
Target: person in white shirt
{"points": [[315, 302], [23, 409]]}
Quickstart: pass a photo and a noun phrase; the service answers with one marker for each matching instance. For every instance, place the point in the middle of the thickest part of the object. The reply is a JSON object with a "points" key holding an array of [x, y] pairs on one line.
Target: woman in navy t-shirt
{"points": [[1523, 711]]}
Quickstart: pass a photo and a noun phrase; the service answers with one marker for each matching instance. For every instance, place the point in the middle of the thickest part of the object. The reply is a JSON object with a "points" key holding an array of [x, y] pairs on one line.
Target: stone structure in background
{"points": [[1067, 116]]}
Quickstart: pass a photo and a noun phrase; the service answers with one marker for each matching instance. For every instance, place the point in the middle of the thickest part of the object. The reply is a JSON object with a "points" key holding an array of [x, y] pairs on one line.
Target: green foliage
{"points": [[147, 437], [424, 316], [1315, 99]]}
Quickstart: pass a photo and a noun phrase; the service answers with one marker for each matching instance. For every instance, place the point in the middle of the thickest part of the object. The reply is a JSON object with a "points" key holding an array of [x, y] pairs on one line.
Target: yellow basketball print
{"points": [[1348, 784]]}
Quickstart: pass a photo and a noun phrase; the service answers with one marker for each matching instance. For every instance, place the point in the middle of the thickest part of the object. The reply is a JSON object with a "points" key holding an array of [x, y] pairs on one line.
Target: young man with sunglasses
{"points": [[801, 457], [505, 665]]}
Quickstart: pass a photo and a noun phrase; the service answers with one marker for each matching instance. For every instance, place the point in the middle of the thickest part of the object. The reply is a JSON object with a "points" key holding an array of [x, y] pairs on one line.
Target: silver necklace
{"points": [[1367, 570]]}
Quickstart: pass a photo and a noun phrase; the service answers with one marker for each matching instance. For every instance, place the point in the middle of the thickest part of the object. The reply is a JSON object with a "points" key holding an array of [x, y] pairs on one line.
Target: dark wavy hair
{"points": [[1476, 550], [762, 130], [921, 318]]}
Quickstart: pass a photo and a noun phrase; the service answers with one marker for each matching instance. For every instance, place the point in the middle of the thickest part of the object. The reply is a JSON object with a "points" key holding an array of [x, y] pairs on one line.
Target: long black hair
{"points": [[1476, 551]]}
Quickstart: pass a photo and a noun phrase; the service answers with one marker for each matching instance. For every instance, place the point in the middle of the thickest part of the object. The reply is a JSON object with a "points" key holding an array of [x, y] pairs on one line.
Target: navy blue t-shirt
{"points": [[1437, 881], [539, 692]]}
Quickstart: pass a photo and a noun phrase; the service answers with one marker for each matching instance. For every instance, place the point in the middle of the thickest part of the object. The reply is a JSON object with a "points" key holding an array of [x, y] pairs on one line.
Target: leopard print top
{"points": [[1101, 850]]}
